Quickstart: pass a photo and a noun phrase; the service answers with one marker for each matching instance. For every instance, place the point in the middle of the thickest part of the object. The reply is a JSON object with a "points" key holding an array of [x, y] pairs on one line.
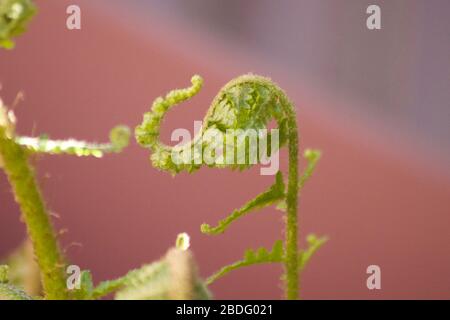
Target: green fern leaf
{"points": [[312, 157], [252, 257], [9, 291], [173, 277], [274, 194], [314, 244]]}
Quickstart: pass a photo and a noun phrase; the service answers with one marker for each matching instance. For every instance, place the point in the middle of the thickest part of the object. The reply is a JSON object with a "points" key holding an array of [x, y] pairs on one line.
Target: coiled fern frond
{"points": [[245, 105]]}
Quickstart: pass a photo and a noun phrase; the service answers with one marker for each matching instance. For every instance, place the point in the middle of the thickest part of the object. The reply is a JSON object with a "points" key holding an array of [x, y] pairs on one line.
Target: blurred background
{"points": [[376, 102]]}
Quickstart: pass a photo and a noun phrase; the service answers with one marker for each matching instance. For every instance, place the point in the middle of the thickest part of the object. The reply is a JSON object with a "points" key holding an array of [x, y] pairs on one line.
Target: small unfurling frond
{"points": [[119, 138], [314, 244], [274, 194]]}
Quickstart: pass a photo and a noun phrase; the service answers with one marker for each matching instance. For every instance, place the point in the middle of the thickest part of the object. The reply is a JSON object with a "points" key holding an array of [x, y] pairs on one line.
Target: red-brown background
{"points": [[379, 197]]}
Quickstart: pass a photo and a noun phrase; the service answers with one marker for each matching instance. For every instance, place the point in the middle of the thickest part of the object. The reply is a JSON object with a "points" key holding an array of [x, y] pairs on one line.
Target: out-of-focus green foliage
{"points": [[14, 17], [23, 269], [173, 277], [7, 290]]}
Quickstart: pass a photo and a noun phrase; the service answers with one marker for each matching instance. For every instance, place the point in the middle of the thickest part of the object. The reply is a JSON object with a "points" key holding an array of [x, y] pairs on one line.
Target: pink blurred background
{"points": [[375, 102]]}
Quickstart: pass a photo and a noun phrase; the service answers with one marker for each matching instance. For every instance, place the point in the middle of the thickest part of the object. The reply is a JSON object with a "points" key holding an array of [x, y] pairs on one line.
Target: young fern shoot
{"points": [[174, 276], [14, 160], [247, 103]]}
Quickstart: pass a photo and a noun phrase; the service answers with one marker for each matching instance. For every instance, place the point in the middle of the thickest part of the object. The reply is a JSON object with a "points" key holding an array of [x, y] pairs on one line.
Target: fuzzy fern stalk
{"points": [[21, 176], [247, 103], [14, 160]]}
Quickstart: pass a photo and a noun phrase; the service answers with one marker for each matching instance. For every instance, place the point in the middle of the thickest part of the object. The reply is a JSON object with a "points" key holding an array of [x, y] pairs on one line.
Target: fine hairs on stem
{"points": [[245, 103], [14, 160], [174, 276]]}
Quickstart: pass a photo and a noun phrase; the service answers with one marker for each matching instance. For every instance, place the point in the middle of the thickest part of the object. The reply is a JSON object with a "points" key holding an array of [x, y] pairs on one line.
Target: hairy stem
{"points": [[35, 215], [291, 233]]}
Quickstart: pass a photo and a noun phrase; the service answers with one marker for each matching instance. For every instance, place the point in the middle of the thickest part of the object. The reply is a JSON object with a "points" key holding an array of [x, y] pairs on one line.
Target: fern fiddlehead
{"points": [[246, 103]]}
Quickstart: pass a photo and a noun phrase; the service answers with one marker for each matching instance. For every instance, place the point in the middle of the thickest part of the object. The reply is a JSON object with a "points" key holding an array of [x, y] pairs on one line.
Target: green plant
{"points": [[248, 102], [14, 160], [174, 276], [14, 16]]}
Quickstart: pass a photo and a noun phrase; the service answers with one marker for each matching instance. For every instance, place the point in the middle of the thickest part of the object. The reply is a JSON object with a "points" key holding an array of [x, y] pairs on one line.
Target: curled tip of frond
{"points": [[206, 229], [312, 155], [240, 112], [119, 137], [14, 16], [147, 133], [197, 81]]}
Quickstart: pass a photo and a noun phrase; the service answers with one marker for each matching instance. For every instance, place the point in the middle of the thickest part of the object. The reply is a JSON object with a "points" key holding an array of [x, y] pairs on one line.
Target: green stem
{"points": [[291, 275], [21, 176], [291, 233]]}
